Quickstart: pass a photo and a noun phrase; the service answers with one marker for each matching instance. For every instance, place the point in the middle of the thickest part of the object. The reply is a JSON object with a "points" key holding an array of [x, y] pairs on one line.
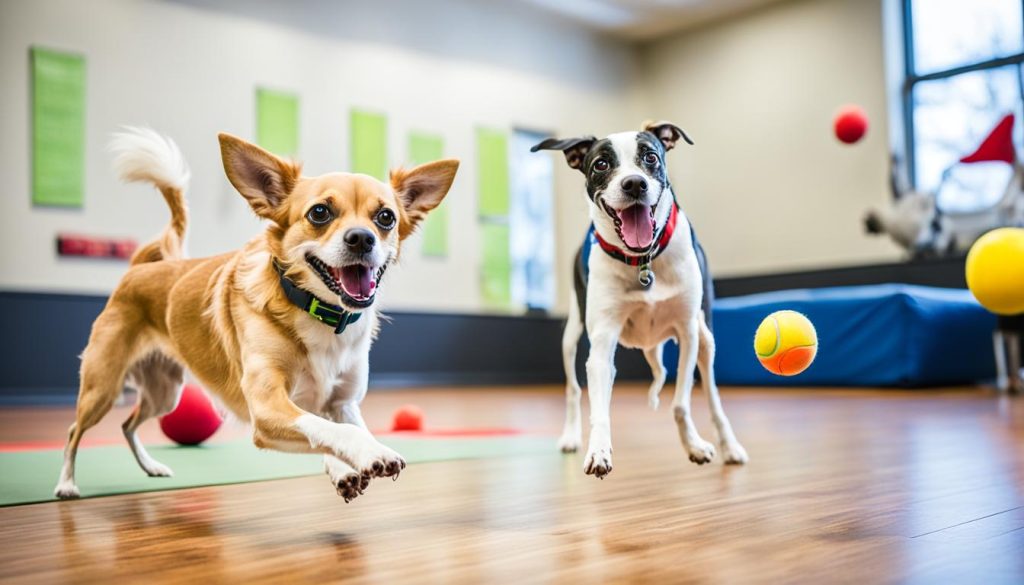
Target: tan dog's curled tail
{"points": [[145, 156]]}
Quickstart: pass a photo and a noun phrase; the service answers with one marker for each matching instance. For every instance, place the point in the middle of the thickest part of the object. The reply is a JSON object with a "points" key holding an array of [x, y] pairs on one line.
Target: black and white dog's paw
{"points": [[598, 463], [701, 452], [734, 454], [570, 442]]}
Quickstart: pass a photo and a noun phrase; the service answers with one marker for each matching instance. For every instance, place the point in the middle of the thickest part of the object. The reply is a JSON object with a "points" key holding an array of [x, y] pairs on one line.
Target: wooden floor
{"points": [[843, 486]]}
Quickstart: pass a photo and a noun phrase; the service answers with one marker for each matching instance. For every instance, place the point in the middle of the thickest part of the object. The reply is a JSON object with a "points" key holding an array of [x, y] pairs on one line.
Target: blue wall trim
{"points": [[44, 333]]}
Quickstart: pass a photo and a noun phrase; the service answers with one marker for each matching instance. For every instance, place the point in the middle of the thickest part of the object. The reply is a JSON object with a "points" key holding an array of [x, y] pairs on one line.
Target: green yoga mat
{"points": [[29, 476]]}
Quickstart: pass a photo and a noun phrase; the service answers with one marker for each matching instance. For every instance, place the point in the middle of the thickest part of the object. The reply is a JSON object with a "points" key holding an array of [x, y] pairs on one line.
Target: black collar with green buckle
{"points": [[326, 313]]}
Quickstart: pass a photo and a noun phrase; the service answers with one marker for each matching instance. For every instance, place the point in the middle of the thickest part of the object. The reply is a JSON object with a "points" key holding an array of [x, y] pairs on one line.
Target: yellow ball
{"points": [[786, 343], [995, 271]]}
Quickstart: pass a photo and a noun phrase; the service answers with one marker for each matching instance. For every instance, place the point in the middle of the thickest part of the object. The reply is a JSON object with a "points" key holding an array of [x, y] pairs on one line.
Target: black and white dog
{"points": [[647, 282]]}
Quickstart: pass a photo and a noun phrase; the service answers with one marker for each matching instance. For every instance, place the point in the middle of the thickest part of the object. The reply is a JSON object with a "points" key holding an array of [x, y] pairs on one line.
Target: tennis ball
{"points": [[995, 271], [786, 343]]}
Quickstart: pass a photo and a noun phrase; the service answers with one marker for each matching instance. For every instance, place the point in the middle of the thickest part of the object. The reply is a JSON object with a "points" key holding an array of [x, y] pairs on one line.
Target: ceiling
{"points": [[642, 20]]}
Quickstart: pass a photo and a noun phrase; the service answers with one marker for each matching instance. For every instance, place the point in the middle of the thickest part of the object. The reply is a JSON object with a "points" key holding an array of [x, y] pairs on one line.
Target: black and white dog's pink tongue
{"points": [[637, 226], [357, 280]]}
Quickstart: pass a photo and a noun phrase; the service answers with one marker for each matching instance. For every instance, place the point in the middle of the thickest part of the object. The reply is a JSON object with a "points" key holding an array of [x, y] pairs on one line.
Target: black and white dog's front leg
{"points": [[733, 452], [700, 451], [604, 338]]}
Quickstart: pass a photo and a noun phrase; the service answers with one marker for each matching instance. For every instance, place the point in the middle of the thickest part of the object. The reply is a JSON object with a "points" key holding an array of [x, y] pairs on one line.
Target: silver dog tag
{"points": [[646, 276]]}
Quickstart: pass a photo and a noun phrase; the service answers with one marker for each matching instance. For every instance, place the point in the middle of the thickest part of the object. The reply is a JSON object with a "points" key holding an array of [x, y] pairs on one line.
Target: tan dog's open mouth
{"points": [[356, 284]]}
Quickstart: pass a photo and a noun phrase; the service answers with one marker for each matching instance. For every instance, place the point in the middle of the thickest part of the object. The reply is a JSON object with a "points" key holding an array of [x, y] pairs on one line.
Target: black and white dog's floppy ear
{"points": [[667, 132], [575, 149]]}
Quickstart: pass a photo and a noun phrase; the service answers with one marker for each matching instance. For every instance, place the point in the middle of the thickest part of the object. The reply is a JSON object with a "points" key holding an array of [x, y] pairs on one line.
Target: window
{"points": [[531, 222], [965, 72]]}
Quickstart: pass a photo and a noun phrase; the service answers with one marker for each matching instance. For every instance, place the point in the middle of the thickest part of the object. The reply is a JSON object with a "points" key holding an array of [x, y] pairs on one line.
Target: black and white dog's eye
{"points": [[601, 165], [385, 219], [320, 214], [651, 158]]}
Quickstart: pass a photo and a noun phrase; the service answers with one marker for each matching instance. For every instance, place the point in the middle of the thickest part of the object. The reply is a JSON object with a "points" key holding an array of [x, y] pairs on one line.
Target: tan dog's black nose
{"points": [[360, 240], [634, 186]]}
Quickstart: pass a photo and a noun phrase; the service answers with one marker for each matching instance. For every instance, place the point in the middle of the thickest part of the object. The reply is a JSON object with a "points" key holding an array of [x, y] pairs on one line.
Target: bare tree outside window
{"points": [[965, 72]]}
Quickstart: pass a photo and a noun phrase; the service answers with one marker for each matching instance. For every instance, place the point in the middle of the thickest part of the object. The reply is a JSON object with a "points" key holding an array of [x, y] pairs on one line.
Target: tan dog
{"points": [[279, 331]]}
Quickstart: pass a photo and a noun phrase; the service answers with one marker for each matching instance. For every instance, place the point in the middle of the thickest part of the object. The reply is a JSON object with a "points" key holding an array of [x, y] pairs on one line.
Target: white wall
{"points": [[767, 186], [190, 71]]}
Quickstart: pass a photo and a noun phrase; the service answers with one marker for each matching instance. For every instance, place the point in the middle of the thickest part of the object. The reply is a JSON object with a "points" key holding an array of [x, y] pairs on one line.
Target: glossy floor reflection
{"points": [[853, 486]]}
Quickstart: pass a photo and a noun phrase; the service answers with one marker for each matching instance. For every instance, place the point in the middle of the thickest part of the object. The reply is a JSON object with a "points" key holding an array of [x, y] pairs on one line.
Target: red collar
{"points": [[633, 259]]}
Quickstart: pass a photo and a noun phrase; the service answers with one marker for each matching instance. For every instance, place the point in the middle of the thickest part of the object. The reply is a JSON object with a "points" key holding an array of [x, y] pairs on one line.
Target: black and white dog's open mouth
{"points": [[356, 284], [635, 225]]}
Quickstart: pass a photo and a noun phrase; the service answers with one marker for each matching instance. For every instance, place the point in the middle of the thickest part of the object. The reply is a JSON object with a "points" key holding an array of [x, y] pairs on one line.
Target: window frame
{"points": [[912, 78]]}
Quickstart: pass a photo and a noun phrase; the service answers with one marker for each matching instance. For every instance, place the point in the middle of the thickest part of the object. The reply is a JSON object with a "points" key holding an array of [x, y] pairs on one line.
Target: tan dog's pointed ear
{"points": [[667, 132], [421, 189], [264, 179]]}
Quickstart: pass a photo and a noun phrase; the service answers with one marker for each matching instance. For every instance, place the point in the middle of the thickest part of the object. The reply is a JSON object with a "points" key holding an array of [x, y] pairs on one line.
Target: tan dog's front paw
{"points": [[376, 460], [351, 486], [66, 491], [156, 469], [348, 482]]}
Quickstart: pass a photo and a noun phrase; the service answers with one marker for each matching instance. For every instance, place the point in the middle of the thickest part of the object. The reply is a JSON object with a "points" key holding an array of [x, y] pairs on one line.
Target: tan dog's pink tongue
{"points": [[637, 226], [357, 280]]}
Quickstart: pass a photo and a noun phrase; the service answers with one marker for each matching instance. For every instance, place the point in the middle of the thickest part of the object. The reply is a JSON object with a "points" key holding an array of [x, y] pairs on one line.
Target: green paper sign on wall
{"points": [[492, 168], [369, 144], [58, 128], [493, 205], [424, 148], [277, 121]]}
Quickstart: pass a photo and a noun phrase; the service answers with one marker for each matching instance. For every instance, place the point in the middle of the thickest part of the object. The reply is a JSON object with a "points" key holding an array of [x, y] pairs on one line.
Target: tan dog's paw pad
{"points": [[351, 486], [155, 469], [67, 492], [379, 461], [394, 468]]}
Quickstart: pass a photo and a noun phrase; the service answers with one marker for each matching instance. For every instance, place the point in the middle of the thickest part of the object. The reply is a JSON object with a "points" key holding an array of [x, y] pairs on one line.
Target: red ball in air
{"points": [[408, 418], [194, 420], [851, 123]]}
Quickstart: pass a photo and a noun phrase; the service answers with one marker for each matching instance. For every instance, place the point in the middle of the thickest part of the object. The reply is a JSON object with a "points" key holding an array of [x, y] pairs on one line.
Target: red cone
{"points": [[998, 145]]}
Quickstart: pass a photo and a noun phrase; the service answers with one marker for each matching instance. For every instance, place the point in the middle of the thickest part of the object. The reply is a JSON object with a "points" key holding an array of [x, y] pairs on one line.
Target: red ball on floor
{"points": [[194, 420], [408, 418], [851, 124]]}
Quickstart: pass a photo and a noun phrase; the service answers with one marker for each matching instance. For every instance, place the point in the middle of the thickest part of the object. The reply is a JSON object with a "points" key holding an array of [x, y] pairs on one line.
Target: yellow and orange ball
{"points": [[786, 343], [995, 271]]}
